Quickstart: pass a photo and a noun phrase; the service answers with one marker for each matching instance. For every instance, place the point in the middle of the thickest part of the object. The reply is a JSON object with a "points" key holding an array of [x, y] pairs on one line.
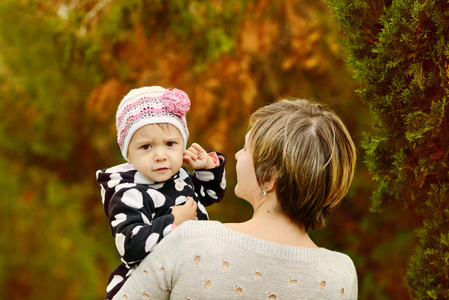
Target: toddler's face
{"points": [[157, 151]]}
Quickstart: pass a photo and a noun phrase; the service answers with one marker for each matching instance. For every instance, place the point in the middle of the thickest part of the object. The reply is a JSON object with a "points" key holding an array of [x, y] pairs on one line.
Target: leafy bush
{"points": [[400, 51]]}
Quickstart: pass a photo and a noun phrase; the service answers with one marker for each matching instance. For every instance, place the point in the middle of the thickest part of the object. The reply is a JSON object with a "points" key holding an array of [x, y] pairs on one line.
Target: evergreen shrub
{"points": [[400, 52]]}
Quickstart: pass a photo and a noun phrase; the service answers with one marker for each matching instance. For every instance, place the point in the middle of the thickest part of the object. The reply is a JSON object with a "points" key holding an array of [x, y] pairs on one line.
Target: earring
{"points": [[264, 192]]}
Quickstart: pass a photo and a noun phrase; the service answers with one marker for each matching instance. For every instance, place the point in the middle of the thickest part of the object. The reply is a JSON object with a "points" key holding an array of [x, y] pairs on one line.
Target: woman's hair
{"points": [[309, 151]]}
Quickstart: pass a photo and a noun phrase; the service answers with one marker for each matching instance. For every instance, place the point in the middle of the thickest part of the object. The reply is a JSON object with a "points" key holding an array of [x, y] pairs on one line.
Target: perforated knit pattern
{"points": [[206, 260]]}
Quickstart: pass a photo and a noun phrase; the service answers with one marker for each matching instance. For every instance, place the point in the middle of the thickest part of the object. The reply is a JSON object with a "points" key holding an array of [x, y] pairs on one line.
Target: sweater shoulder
{"points": [[214, 232]]}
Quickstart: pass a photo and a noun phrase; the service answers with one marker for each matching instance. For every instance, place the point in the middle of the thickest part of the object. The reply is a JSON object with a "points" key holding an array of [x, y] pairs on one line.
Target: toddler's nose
{"points": [[159, 155]]}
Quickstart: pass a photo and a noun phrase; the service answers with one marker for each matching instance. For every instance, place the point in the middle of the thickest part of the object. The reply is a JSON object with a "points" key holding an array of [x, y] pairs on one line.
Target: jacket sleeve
{"points": [[210, 184], [133, 223]]}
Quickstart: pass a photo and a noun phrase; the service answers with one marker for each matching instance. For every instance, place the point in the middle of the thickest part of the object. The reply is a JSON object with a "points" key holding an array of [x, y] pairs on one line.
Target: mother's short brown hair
{"points": [[309, 151]]}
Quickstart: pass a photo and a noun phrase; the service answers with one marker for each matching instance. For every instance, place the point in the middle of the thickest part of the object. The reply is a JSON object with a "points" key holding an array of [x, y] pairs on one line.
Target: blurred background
{"points": [[66, 65]]}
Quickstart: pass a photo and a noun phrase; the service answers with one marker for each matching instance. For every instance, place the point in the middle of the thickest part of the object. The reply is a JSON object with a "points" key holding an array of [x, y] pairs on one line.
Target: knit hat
{"points": [[150, 105]]}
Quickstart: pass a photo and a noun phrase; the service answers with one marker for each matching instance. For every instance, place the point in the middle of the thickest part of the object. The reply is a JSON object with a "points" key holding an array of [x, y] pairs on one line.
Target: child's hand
{"points": [[185, 212], [196, 158]]}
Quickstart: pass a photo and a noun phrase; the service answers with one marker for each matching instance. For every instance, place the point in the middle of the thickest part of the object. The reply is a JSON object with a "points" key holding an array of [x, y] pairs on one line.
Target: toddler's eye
{"points": [[145, 147], [171, 144]]}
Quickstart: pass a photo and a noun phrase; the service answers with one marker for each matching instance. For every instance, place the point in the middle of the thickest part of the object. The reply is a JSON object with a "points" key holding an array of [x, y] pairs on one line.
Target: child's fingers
{"points": [[186, 160], [190, 155], [197, 150], [191, 202], [197, 147]]}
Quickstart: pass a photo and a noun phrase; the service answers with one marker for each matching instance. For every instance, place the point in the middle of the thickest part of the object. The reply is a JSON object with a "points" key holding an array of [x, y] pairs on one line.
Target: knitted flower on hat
{"points": [[177, 102], [151, 105]]}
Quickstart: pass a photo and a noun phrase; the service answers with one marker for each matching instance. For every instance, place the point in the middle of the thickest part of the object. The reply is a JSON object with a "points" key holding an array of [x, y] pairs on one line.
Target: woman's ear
{"points": [[270, 184]]}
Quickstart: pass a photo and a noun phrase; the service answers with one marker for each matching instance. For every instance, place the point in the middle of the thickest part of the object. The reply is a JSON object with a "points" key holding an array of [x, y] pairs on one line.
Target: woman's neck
{"points": [[271, 224]]}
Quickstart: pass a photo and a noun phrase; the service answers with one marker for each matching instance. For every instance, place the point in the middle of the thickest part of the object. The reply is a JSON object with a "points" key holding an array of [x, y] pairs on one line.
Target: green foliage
{"points": [[44, 84], [48, 236], [430, 266], [48, 249], [400, 51], [211, 26], [214, 23]]}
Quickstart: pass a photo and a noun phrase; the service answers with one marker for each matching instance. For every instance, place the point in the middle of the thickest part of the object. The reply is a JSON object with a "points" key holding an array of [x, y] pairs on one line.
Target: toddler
{"points": [[147, 197]]}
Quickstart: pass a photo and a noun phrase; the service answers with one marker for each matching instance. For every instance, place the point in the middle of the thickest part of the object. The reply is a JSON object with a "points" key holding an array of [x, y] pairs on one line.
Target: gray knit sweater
{"points": [[206, 260]]}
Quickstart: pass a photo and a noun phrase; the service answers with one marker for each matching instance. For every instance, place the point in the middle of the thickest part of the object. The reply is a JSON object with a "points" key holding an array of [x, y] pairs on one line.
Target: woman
{"points": [[296, 166]]}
